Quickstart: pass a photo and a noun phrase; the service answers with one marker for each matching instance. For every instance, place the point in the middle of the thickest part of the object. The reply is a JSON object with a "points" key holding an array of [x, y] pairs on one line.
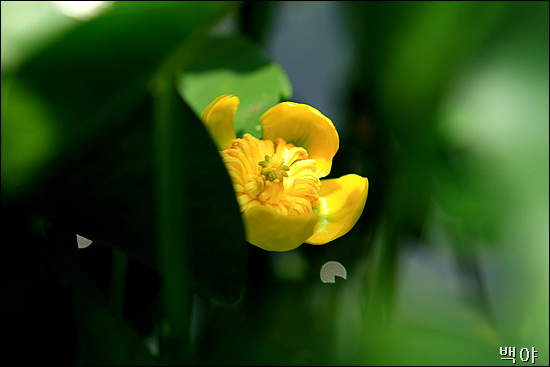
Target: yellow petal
{"points": [[267, 229], [305, 127], [341, 203], [218, 118]]}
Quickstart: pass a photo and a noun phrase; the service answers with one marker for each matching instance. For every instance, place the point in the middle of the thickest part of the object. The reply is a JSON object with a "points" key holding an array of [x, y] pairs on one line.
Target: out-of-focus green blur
{"points": [[442, 105]]}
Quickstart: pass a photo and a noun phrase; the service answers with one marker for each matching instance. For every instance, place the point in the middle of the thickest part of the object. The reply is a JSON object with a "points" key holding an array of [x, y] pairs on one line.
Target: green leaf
{"points": [[87, 82], [197, 197], [79, 133], [200, 233], [235, 66], [110, 198]]}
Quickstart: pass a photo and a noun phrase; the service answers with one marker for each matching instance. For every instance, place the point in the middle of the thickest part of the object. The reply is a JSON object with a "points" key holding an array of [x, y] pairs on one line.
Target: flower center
{"points": [[275, 174], [273, 168]]}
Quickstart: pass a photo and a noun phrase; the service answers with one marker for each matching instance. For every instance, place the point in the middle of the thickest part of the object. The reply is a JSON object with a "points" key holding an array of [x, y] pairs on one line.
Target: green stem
{"points": [[172, 213]]}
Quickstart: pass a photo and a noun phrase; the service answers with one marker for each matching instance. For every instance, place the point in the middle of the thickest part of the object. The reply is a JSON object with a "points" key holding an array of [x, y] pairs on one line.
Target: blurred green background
{"points": [[442, 105]]}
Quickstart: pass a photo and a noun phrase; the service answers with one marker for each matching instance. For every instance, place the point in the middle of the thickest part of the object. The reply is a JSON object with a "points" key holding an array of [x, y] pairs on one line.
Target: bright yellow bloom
{"points": [[277, 179]]}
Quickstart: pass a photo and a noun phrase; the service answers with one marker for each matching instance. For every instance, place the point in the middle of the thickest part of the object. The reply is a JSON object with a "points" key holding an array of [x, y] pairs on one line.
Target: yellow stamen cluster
{"points": [[276, 174]]}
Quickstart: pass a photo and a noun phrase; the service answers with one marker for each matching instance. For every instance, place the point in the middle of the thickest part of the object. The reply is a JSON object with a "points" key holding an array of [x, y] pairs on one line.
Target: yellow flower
{"points": [[277, 179]]}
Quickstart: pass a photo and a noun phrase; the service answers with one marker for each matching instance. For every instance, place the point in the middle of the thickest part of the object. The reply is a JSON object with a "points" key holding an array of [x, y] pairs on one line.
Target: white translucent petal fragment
{"points": [[83, 242], [332, 269]]}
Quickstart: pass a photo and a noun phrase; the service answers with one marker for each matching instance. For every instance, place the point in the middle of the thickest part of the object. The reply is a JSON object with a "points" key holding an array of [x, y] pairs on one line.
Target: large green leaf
{"points": [[110, 198], [78, 130], [87, 81], [196, 196], [200, 234], [234, 65]]}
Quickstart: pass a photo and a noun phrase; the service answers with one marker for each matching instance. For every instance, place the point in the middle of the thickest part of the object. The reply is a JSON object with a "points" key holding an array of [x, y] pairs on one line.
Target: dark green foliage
{"points": [[447, 116]]}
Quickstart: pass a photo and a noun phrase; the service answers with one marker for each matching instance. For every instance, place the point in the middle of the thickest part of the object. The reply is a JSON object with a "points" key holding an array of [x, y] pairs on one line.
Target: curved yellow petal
{"points": [[271, 231], [341, 203], [218, 118], [305, 127]]}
